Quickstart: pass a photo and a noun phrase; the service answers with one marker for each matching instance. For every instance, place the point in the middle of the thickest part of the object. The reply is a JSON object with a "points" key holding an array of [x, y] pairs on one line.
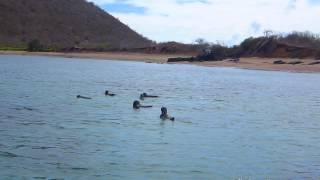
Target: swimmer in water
{"points": [[137, 105], [145, 95], [107, 93], [164, 114], [83, 97]]}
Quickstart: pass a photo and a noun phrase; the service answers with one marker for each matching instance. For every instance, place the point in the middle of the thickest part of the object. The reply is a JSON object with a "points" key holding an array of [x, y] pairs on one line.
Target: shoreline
{"points": [[252, 63], [263, 64], [122, 56]]}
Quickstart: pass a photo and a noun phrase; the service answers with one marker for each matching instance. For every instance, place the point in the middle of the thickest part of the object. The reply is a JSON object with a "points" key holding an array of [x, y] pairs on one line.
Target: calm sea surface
{"points": [[230, 123]]}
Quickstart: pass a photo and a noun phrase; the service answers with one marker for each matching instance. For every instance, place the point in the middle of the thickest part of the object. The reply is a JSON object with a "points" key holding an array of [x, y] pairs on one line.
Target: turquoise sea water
{"points": [[230, 123]]}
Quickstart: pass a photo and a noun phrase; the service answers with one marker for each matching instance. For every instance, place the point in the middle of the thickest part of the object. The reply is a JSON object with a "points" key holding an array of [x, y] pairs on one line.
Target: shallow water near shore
{"points": [[230, 123]]}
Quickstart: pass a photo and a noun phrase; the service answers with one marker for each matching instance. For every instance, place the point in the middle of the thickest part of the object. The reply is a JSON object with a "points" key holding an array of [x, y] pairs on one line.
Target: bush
{"points": [[215, 52], [304, 39], [34, 45], [317, 56]]}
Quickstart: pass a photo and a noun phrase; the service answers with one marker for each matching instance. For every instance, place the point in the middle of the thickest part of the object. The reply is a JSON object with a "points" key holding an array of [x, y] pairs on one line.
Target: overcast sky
{"points": [[227, 21]]}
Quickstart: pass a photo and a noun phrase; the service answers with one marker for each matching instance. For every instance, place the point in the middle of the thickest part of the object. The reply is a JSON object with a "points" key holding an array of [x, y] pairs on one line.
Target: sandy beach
{"points": [[266, 64], [245, 63], [124, 56]]}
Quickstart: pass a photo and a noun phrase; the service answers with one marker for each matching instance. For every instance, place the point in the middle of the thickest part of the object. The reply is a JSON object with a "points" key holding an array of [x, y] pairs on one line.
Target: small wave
{"points": [[1, 145], [32, 123], [10, 117], [196, 171], [219, 100], [296, 144], [19, 146], [39, 178], [113, 164], [302, 172], [8, 154], [187, 122], [112, 119], [164, 171], [91, 121], [112, 175], [196, 108], [42, 147], [24, 96], [79, 169], [160, 143], [60, 127], [24, 108], [27, 108], [115, 123]]}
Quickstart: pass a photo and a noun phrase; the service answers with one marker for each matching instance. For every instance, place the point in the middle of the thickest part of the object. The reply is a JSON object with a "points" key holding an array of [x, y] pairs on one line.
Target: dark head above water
{"points": [[164, 114], [137, 105], [141, 97], [164, 110], [107, 93]]}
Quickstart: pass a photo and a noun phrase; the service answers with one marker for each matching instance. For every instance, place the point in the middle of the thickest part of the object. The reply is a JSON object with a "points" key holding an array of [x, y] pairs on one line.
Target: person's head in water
{"points": [[107, 93], [142, 97], [136, 105], [78, 96], [164, 111], [164, 114]]}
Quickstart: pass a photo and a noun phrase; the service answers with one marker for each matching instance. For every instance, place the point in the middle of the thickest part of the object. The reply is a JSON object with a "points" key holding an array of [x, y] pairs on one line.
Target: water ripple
{"points": [[8, 154]]}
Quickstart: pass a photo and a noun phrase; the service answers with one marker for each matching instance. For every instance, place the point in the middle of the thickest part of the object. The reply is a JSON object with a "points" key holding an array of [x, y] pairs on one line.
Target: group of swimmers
{"points": [[164, 112], [136, 104]]}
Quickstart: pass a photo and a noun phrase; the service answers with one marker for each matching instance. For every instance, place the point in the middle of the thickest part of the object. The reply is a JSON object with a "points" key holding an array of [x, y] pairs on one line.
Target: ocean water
{"points": [[230, 123]]}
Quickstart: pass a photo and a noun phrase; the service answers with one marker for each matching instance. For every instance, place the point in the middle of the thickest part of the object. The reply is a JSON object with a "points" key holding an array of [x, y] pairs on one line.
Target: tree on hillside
{"points": [[268, 33], [203, 44], [200, 41]]}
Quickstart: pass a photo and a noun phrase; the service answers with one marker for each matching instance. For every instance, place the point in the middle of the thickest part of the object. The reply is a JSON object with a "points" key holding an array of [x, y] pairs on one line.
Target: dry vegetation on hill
{"points": [[292, 45], [63, 24]]}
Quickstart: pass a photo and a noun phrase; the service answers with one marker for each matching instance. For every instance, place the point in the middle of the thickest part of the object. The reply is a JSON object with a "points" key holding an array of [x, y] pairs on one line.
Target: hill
{"points": [[171, 48], [293, 45], [63, 24]]}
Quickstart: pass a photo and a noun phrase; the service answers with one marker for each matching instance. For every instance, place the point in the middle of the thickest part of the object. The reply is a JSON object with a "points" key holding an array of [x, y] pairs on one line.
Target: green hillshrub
{"points": [[8, 48]]}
